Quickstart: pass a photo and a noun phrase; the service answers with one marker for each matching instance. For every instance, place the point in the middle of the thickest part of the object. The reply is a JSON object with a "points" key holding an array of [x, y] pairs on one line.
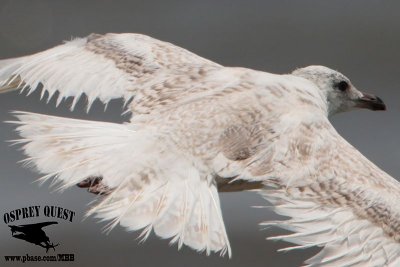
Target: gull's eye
{"points": [[342, 86]]}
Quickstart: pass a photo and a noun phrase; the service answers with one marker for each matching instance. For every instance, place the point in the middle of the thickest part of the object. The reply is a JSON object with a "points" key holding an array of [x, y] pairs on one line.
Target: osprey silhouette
{"points": [[33, 233]]}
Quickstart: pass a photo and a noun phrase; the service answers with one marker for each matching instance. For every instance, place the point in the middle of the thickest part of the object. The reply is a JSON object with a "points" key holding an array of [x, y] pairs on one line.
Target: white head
{"points": [[340, 94]]}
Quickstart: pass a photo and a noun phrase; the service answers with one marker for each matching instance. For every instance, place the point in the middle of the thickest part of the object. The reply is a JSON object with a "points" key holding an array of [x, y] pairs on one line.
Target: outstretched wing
{"points": [[102, 66], [335, 197]]}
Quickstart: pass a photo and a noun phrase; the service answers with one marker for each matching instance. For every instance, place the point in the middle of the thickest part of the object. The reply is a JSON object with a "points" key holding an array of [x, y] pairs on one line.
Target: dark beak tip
{"points": [[380, 104], [372, 102], [380, 108]]}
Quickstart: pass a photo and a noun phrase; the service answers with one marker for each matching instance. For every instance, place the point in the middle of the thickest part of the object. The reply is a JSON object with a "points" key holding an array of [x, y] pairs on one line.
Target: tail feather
{"points": [[152, 186]]}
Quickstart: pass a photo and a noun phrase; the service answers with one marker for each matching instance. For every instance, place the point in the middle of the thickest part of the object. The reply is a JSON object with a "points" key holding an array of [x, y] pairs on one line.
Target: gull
{"points": [[198, 128]]}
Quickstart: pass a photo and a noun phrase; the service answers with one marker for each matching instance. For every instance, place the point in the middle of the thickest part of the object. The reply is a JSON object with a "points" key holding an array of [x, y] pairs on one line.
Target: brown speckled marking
{"points": [[307, 101], [338, 195], [240, 142], [130, 63], [276, 91]]}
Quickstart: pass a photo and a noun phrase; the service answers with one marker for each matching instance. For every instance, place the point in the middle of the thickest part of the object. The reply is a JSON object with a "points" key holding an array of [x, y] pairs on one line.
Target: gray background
{"points": [[359, 38]]}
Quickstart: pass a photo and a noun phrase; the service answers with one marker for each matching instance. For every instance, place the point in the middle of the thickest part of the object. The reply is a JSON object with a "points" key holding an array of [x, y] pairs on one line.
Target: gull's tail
{"points": [[152, 186]]}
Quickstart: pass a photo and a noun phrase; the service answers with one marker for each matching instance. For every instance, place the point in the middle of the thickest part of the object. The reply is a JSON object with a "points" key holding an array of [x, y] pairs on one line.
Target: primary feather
{"points": [[197, 127]]}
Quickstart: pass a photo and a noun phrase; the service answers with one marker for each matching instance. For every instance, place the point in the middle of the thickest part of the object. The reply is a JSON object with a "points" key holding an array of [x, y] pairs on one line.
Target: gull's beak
{"points": [[370, 102]]}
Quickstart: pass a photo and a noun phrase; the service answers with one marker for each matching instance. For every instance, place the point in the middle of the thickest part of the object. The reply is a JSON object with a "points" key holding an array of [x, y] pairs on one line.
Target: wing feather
{"points": [[102, 67], [334, 197]]}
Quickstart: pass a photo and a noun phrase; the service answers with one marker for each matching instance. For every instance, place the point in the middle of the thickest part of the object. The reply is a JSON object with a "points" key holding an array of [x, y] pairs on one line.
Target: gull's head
{"points": [[340, 94]]}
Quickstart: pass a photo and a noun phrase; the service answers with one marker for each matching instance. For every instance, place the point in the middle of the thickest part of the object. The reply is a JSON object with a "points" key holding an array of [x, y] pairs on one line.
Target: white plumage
{"points": [[196, 125]]}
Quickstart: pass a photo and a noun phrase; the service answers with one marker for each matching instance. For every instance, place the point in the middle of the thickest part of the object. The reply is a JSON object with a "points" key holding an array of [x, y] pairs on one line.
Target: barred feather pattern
{"points": [[346, 239]]}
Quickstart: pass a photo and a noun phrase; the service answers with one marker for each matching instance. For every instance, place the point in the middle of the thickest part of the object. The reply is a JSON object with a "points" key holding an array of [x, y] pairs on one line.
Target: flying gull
{"points": [[198, 127]]}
